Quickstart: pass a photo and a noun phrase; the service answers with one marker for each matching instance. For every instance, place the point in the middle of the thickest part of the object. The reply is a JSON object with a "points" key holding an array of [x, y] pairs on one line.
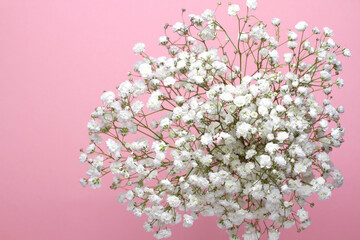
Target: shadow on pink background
{"points": [[56, 58]]}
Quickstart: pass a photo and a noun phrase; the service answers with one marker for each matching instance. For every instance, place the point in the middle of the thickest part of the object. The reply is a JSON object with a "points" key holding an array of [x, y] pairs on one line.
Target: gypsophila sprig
{"points": [[223, 126]]}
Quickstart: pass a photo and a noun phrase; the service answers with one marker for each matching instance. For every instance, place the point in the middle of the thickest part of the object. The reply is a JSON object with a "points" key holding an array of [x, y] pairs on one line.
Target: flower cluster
{"points": [[223, 126]]}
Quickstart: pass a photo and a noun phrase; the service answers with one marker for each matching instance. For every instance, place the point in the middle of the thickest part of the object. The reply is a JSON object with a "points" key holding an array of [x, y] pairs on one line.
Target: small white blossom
{"points": [[113, 146], [163, 233], [163, 40], [173, 201], [252, 4], [139, 48], [328, 32], [276, 21], [107, 97], [169, 81], [302, 214], [301, 26], [188, 220], [180, 28], [288, 57], [233, 9], [206, 139], [347, 52], [145, 70]]}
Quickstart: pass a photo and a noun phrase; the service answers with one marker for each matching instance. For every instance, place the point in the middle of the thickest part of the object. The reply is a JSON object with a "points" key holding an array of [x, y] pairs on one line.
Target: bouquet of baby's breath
{"points": [[223, 126]]}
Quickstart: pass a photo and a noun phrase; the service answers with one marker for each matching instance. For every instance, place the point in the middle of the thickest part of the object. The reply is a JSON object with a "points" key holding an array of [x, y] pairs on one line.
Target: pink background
{"points": [[56, 58]]}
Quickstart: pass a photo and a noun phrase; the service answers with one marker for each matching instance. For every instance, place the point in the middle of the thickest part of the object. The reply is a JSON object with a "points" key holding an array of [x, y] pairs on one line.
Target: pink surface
{"points": [[56, 58]]}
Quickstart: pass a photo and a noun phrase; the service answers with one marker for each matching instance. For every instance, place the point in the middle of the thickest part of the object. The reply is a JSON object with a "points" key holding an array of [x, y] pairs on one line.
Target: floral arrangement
{"points": [[223, 126]]}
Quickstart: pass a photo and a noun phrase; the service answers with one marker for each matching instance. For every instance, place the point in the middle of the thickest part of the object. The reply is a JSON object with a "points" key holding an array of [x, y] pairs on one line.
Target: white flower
{"points": [[274, 234], [116, 167], [259, 32], [292, 44], [292, 36], [83, 182], [137, 212], [179, 100], [252, 4], [165, 123], [154, 103], [180, 28], [242, 130], [163, 233], [233, 9], [227, 97], [243, 37], [155, 199], [206, 139], [113, 146], [289, 223], [337, 133], [328, 32], [219, 67], [95, 182], [301, 26], [193, 201], [280, 160], [188, 220], [331, 43], [124, 116], [282, 136], [139, 48], [276, 21], [145, 70], [299, 168], [316, 30], [163, 40], [302, 214], [324, 193], [240, 101], [169, 81], [323, 157], [173, 201], [98, 162], [196, 20], [139, 88], [264, 52], [90, 148], [339, 82], [94, 126], [271, 148], [83, 157], [288, 57], [340, 109], [274, 56], [347, 52], [232, 186], [323, 123], [125, 89], [263, 111], [147, 227], [250, 153], [265, 161], [107, 97], [208, 15], [206, 160], [274, 196], [137, 106]]}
